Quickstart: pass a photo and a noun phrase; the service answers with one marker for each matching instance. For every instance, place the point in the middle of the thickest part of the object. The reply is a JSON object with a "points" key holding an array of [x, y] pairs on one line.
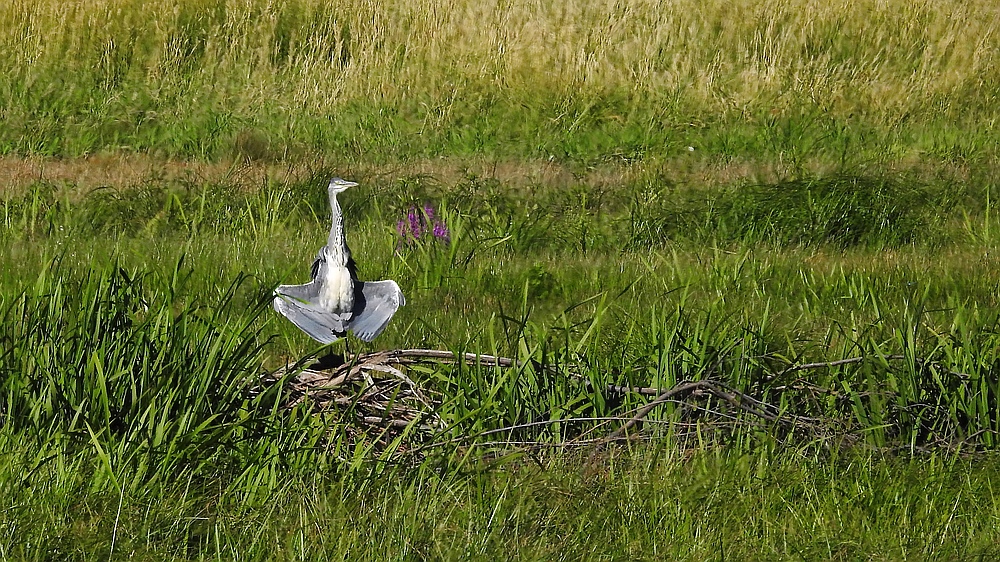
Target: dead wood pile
{"points": [[376, 398]]}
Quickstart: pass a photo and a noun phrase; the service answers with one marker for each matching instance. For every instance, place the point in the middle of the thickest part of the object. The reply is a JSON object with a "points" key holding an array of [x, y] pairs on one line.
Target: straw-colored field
{"points": [[842, 82]]}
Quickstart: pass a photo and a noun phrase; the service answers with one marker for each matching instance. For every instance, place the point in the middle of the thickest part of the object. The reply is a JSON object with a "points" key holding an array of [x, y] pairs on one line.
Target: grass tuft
{"points": [[837, 210]]}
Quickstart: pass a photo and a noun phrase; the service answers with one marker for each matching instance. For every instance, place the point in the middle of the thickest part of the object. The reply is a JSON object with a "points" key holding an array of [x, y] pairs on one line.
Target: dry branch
{"points": [[852, 360]]}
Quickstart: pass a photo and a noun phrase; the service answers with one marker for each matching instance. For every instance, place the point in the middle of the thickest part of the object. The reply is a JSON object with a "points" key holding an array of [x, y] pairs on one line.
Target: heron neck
{"points": [[336, 244]]}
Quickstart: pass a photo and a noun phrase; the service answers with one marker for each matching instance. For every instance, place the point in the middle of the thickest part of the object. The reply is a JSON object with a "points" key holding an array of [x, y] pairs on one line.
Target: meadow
{"points": [[791, 211]]}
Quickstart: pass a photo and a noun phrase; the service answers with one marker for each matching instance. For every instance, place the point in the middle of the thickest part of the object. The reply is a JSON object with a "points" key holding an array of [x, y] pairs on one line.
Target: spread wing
{"points": [[374, 304], [297, 303]]}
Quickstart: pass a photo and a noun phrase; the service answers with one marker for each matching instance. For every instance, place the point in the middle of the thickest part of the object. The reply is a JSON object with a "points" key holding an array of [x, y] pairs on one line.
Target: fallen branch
{"points": [[403, 356], [645, 410]]}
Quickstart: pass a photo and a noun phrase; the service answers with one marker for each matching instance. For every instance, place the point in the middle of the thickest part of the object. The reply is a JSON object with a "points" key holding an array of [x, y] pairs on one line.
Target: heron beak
{"points": [[341, 184]]}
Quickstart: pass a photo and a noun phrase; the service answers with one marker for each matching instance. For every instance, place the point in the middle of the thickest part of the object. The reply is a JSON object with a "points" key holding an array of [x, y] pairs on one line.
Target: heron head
{"points": [[338, 185]]}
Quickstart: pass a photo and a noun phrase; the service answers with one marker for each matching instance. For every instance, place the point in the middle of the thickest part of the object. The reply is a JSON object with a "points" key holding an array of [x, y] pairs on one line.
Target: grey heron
{"points": [[335, 301]]}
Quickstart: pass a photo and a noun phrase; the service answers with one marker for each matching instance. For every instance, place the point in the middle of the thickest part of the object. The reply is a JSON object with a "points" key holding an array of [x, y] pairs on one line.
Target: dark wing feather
{"points": [[314, 271], [352, 267]]}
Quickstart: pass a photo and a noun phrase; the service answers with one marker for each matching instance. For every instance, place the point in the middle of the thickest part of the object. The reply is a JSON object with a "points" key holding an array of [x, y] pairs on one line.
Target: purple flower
{"points": [[441, 232], [417, 222]]}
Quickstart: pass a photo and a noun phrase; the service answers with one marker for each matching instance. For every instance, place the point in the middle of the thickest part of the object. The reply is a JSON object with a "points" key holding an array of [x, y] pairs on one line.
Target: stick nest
{"points": [[374, 399]]}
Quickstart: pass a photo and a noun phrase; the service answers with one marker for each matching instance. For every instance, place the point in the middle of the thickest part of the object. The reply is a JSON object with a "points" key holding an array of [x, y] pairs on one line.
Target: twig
{"points": [[391, 422], [818, 365], [645, 410], [643, 390], [413, 388], [400, 355], [850, 360]]}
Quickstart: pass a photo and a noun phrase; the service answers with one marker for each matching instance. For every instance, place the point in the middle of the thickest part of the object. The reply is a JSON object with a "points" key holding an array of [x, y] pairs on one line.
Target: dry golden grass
{"points": [[890, 58]]}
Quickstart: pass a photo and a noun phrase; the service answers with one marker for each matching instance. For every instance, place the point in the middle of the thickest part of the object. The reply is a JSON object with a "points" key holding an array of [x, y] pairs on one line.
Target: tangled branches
{"points": [[392, 397]]}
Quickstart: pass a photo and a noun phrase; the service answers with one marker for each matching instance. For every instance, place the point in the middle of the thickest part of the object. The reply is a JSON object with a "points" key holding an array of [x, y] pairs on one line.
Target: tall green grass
{"points": [[643, 506], [837, 209], [137, 327], [154, 380], [572, 308]]}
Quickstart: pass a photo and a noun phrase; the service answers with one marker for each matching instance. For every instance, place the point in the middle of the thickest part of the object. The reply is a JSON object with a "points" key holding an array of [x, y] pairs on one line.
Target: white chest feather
{"points": [[337, 294]]}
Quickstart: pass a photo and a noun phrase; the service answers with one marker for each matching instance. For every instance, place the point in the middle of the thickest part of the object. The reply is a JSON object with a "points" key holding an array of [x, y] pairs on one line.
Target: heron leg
{"points": [[347, 348]]}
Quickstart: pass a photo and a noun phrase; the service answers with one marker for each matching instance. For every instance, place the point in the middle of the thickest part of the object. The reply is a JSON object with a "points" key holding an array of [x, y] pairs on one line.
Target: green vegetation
{"points": [[794, 209], [137, 322], [655, 507]]}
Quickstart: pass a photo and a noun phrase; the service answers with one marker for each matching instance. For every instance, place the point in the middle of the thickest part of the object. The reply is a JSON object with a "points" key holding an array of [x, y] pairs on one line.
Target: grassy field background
{"points": [[638, 194], [797, 82]]}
